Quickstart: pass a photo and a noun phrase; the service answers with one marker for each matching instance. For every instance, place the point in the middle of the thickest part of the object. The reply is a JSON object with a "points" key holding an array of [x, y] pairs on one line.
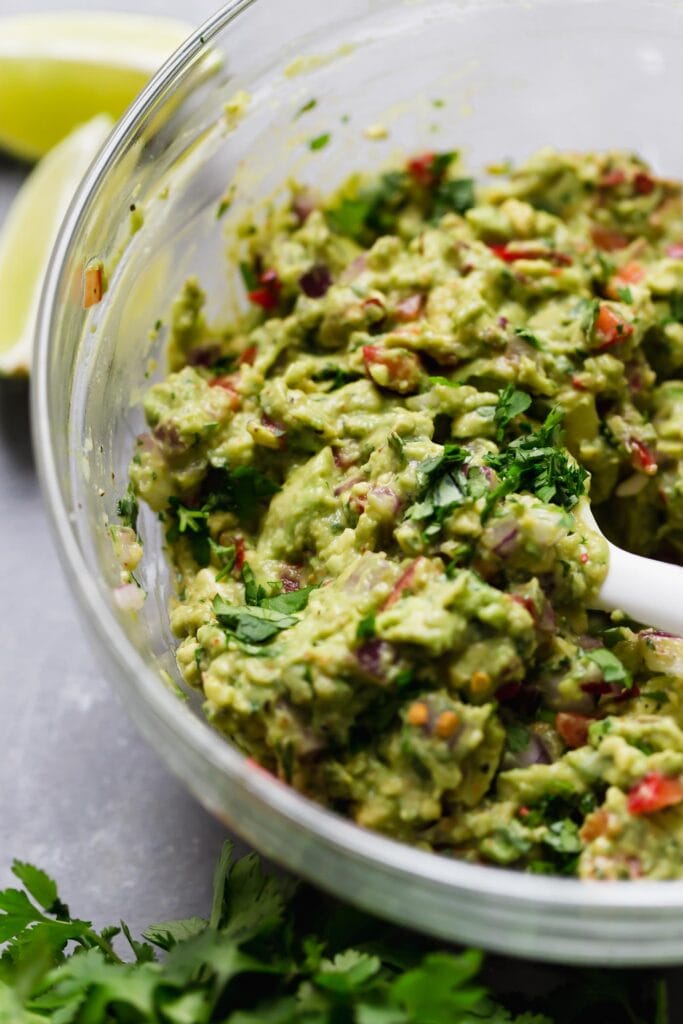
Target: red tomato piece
{"points": [[643, 183], [227, 383], [248, 356], [394, 369], [642, 456], [608, 239], [239, 554], [573, 728], [610, 328], [509, 255], [421, 168], [267, 295], [654, 793]]}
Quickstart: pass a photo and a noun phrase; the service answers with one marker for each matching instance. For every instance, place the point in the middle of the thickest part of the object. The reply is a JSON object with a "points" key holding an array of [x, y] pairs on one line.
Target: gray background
{"points": [[80, 793]]}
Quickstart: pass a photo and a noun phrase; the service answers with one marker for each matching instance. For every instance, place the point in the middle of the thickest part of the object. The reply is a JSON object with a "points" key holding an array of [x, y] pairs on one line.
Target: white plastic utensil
{"points": [[648, 591]]}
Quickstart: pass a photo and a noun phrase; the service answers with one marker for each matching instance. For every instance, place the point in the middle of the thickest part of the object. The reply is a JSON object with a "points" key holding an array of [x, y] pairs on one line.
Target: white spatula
{"points": [[648, 591]]}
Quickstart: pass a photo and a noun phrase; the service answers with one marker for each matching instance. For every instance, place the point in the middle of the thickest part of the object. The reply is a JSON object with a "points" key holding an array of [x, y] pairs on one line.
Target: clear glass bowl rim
{"points": [[406, 863]]}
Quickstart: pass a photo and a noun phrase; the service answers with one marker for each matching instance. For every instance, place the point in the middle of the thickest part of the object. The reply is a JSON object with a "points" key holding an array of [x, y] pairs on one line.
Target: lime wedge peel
{"points": [[28, 236], [60, 70]]}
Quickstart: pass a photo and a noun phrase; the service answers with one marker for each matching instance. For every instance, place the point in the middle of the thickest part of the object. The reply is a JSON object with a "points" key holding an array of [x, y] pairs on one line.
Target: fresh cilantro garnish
{"points": [[528, 336], [337, 377], [266, 611], [249, 276], [613, 670], [518, 737], [192, 524], [456, 195], [374, 210], [588, 309], [127, 508], [625, 294], [366, 627], [443, 486], [225, 555], [563, 836], [675, 314], [445, 381], [251, 624], [241, 490], [319, 142], [306, 107], [534, 462], [271, 952], [510, 404]]}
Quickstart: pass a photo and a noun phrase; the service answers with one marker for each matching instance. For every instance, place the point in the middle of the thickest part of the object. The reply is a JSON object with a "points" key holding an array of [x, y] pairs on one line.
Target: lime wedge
{"points": [[59, 70], [28, 235]]}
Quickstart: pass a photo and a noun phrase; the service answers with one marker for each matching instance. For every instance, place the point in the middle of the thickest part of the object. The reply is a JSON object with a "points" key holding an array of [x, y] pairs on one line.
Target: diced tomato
{"points": [[248, 356], [421, 168], [573, 728], [403, 583], [608, 239], [631, 272], [227, 383], [611, 179], [643, 183], [610, 328], [675, 251], [509, 255], [394, 369], [642, 457], [578, 385], [526, 602], [654, 793], [409, 308], [268, 294], [239, 553]]}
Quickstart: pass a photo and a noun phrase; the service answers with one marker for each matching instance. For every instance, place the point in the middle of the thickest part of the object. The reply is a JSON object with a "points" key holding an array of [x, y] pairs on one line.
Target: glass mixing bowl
{"points": [[494, 79]]}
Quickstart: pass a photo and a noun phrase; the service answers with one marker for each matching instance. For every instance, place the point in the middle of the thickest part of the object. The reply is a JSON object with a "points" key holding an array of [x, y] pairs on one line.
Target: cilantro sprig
{"points": [[266, 612], [535, 462], [271, 952]]}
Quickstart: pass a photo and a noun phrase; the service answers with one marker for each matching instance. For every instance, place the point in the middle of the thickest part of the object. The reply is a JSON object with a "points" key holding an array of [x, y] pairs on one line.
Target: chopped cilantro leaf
{"points": [[613, 670], [252, 624], [335, 375], [127, 508], [249, 276], [626, 295], [510, 404], [443, 486], [319, 142], [526, 335], [518, 737], [534, 462], [306, 107], [366, 628], [455, 196]]}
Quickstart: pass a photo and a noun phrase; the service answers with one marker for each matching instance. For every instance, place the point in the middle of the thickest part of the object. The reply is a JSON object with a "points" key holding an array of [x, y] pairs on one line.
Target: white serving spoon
{"points": [[648, 591]]}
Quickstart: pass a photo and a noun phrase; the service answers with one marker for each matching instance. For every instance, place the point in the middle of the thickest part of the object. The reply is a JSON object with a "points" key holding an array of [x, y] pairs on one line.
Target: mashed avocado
{"points": [[369, 487]]}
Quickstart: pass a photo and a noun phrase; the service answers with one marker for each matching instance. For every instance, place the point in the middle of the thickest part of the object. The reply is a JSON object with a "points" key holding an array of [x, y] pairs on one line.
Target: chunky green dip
{"points": [[371, 488]]}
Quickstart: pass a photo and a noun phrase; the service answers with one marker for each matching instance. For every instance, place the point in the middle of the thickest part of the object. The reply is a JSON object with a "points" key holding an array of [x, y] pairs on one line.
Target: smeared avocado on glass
{"points": [[370, 487]]}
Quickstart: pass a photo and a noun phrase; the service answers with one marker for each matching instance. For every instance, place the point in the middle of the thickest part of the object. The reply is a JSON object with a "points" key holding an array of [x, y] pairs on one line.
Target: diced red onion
{"points": [[535, 752], [387, 498], [503, 538], [675, 251], [354, 268], [373, 656], [346, 485], [129, 598], [316, 281]]}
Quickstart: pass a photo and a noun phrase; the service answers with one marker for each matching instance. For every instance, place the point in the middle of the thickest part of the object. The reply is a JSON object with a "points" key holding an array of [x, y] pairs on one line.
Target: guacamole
{"points": [[371, 487]]}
